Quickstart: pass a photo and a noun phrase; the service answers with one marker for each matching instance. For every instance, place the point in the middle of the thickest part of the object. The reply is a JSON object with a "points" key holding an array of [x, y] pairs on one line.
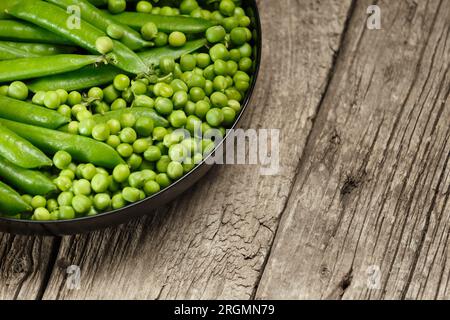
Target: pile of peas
{"points": [[200, 95]]}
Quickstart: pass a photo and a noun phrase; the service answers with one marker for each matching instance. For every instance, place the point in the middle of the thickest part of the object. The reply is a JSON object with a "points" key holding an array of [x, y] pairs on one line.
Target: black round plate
{"points": [[146, 206]]}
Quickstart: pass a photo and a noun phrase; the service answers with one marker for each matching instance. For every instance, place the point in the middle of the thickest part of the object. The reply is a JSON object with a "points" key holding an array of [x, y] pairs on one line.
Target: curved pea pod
{"points": [[138, 112], [9, 53], [40, 49], [29, 181], [91, 77], [29, 113], [22, 31], [101, 19], [82, 149], [164, 23], [19, 151], [29, 68], [82, 33], [11, 203]]}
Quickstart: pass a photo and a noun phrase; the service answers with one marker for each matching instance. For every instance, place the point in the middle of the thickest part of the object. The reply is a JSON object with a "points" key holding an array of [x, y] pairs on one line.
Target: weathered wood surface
{"points": [[213, 242], [365, 142], [372, 192]]}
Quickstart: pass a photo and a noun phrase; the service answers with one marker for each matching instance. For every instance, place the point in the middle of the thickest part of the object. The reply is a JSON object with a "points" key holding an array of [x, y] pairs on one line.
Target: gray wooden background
{"points": [[361, 206]]}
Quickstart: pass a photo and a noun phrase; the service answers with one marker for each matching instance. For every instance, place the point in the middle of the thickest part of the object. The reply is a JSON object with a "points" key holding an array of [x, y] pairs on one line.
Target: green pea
{"points": [[118, 202], [238, 36], [177, 39], [202, 108], [149, 31], [144, 126], [215, 34], [188, 62], [162, 163], [163, 180], [74, 98], [101, 132], [86, 126], [144, 7], [175, 170], [229, 115], [187, 6], [66, 212], [82, 187], [113, 141], [232, 67], [219, 51], [38, 98], [62, 159], [203, 60], [178, 85], [52, 100], [125, 150], [245, 50], [118, 104], [38, 202], [121, 82], [121, 173], [63, 183], [153, 154], [197, 81], [227, 7], [4, 90], [233, 94], [113, 126], [241, 76], [65, 198], [65, 110], [245, 64], [128, 135], [102, 201], [193, 124], [230, 23], [177, 118], [197, 94], [161, 39], [131, 194], [104, 44], [219, 99], [81, 204], [164, 106], [42, 214], [214, 117], [163, 90], [18, 90], [179, 99], [151, 187], [140, 145], [127, 120], [115, 32], [100, 183], [159, 133], [84, 114], [209, 73], [178, 152], [166, 64], [189, 108], [52, 205], [63, 95], [220, 67], [134, 161], [242, 85], [116, 6]]}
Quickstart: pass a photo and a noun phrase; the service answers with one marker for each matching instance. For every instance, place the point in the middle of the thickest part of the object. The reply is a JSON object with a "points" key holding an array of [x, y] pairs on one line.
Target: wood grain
{"points": [[213, 242], [23, 266], [372, 191]]}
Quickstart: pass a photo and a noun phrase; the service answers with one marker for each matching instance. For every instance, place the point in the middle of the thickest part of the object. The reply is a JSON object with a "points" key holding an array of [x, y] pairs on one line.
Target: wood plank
{"points": [[23, 266], [371, 197], [213, 242]]}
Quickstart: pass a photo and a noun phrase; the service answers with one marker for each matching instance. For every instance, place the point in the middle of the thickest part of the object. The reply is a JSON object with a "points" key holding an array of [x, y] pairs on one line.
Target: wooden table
{"points": [[360, 208]]}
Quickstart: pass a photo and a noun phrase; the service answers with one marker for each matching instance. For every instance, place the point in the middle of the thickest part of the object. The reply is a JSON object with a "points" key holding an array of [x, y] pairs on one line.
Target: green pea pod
{"points": [[25, 112], [101, 19], [22, 31], [9, 53], [29, 68], [91, 77], [29, 181], [57, 20], [19, 151], [138, 112], [11, 203], [40, 49], [164, 23], [82, 149]]}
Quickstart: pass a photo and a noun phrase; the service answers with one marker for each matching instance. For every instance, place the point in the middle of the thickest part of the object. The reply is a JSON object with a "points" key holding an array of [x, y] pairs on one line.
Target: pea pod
{"points": [[90, 77], [55, 19], [9, 53], [11, 203], [28, 68], [29, 181], [138, 112], [101, 19], [164, 23], [40, 49], [22, 31], [82, 149], [25, 112], [19, 151]]}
